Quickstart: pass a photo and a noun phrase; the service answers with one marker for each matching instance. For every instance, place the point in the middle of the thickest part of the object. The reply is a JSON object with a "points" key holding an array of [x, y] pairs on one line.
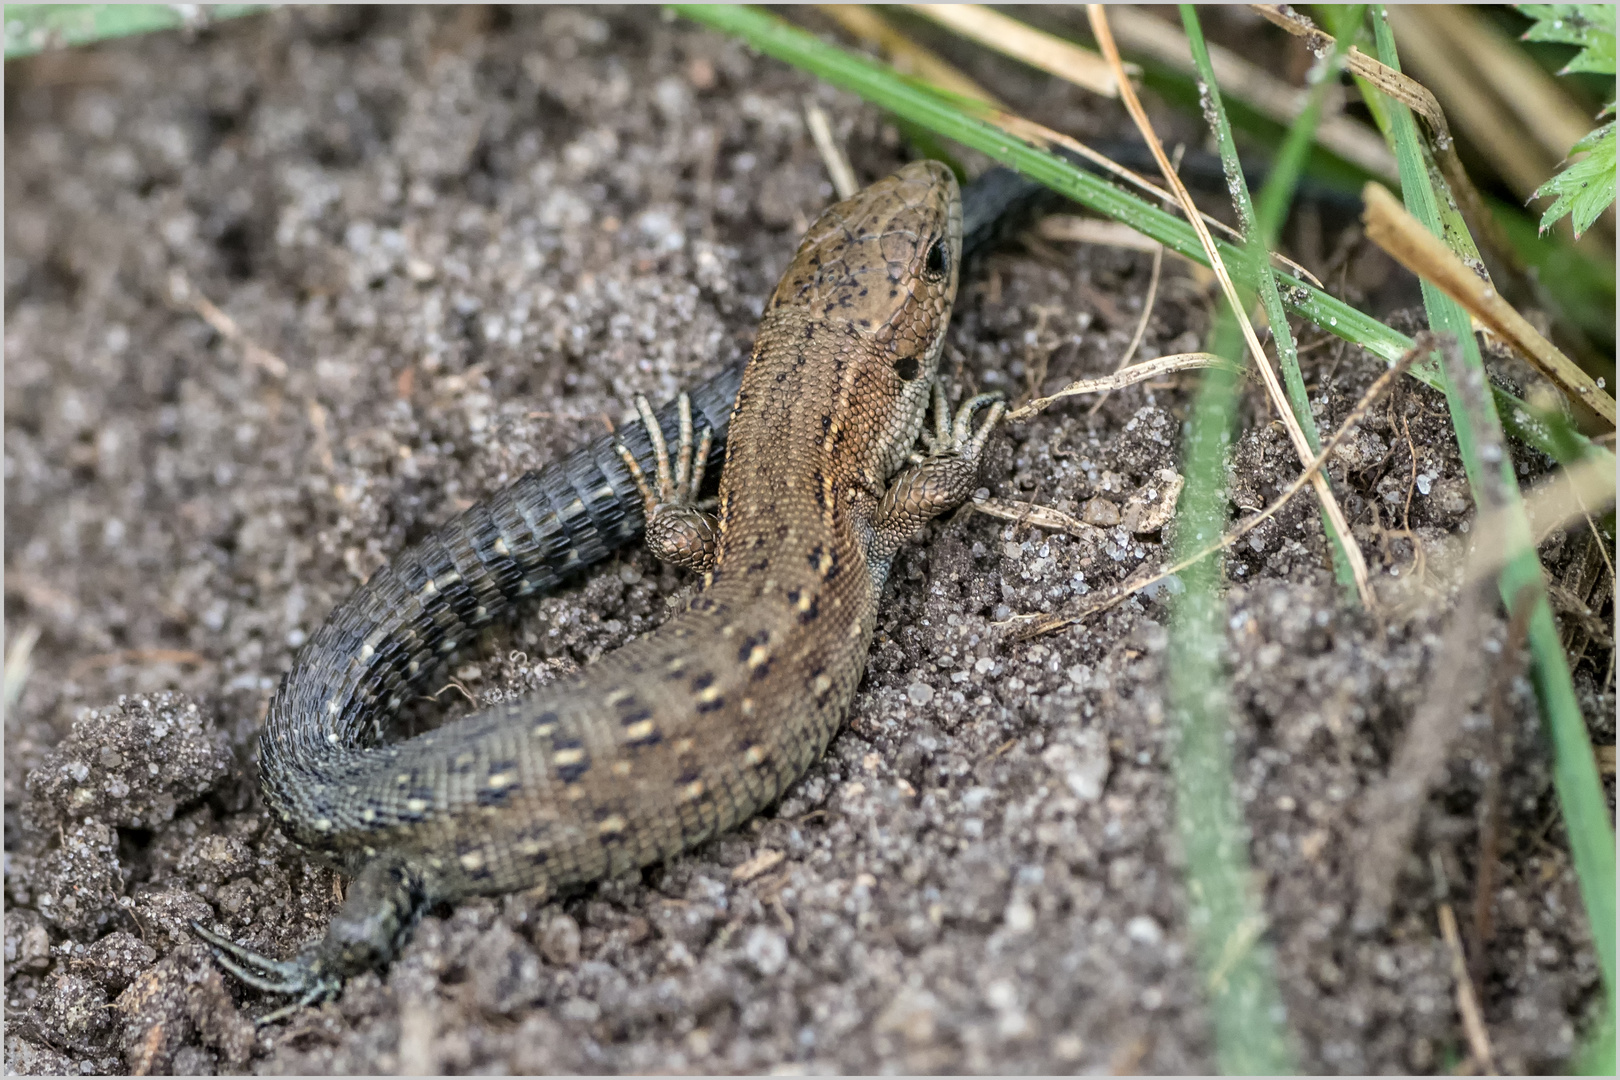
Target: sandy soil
{"points": [[458, 242]]}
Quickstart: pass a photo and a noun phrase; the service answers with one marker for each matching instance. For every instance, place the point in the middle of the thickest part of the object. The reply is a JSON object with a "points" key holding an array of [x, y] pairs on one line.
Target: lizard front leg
{"points": [[938, 482], [678, 531]]}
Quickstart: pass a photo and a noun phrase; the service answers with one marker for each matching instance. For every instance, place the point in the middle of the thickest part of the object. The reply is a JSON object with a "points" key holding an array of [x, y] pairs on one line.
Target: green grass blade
{"points": [[1224, 913], [1575, 776], [1259, 263], [883, 87], [32, 28], [1277, 193]]}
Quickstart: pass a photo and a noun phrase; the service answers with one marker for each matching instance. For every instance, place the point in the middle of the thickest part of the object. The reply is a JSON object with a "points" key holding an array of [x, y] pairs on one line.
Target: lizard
{"points": [[586, 505], [690, 730]]}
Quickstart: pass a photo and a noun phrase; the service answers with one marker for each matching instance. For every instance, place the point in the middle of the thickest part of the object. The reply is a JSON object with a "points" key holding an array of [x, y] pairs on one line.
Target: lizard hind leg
{"points": [[383, 905], [297, 978], [679, 531]]}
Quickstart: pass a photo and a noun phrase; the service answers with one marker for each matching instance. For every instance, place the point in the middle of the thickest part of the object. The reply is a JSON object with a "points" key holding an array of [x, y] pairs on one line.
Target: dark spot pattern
{"points": [[491, 797], [479, 869], [746, 649], [572, 769]]}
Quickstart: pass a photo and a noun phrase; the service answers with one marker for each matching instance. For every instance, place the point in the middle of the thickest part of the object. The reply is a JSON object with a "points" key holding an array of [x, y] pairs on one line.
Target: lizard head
{"points": [[882, 267]]}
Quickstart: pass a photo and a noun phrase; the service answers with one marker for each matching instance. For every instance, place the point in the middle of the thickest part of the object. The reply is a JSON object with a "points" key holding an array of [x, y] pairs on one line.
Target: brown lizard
{"points": [[690, 730]]}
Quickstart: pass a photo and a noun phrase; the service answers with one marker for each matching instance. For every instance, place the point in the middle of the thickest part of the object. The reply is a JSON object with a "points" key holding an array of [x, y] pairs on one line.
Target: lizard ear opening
{"points": [[907, 368], [937, 264]]}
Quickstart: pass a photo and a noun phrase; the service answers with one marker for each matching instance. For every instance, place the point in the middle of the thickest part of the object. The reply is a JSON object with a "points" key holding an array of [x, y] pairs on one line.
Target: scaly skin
{"points": [[690, 730]]}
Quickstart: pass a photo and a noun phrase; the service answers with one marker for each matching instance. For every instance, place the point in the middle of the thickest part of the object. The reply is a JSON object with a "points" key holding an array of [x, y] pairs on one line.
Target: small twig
{"points": [[1510, 667], [1243, 938], [1415, 96], [1391, 810], [1403, 88], [1037, 357], [1074, 229], [1479, 1042], [838, 169], [145, 656], [18, 650], [1147, 369], [1027, 513], [181, 290], [1144, 34], [316, 412], [766, 859], [453, 684]]}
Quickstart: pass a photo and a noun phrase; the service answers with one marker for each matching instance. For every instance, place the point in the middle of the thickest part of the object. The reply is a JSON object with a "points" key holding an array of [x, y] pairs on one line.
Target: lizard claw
{"points": [[955, 434], [301, 978], [963, 425], [677, 486]]}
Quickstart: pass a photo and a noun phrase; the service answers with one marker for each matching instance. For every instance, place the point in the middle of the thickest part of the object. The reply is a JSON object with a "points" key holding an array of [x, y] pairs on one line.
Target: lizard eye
{"points": [[937, 264]]}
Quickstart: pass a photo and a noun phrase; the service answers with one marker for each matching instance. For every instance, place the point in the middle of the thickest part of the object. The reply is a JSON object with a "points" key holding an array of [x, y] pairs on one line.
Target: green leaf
{"points": [[1591, 26], [1586, 188], [32, 28]]}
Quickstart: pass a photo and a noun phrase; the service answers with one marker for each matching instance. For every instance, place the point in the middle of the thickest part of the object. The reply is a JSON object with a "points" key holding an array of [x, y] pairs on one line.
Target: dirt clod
{"points": [[131, 765]]}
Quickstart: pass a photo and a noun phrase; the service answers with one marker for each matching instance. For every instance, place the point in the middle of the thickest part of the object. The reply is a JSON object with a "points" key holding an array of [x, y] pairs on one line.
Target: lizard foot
{"points": [[301, 978], [943, 478], [678, 530], [955, 434]]}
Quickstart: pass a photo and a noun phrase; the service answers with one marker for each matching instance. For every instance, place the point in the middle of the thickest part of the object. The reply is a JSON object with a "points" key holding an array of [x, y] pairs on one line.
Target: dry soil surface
{"points": [[453, 244]]}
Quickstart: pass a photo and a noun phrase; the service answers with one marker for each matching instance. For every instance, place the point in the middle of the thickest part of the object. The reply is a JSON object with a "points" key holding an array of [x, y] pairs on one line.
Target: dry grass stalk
{"points": [[1390, 811], [1302, 446], [1549, 114], [1022, 42], [1393, 228], [1403, 88], [1020, 512], [1074, 229], [1141, 324], [1415, 96], [181, 291], [1556, 502], [1165, 42], [1045, 138], [1479, 83], [838, 168], [1479, 1043], [906, 55], [19, 649]]}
